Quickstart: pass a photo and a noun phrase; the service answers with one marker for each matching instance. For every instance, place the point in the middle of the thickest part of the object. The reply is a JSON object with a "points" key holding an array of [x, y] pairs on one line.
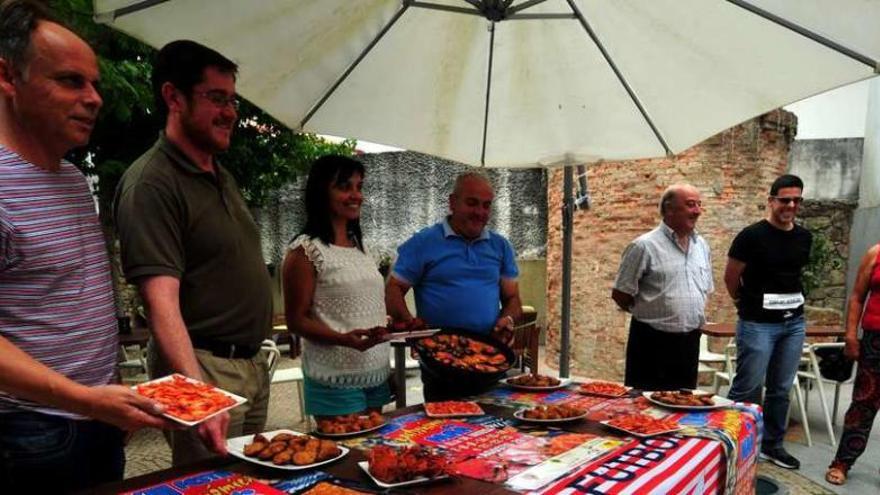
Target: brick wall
{"points": [[733, 171]]}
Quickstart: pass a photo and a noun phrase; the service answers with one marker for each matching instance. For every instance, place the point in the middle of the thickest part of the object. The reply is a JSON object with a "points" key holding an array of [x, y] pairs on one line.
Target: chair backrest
{"points": [[526, 339], [274, 355]]}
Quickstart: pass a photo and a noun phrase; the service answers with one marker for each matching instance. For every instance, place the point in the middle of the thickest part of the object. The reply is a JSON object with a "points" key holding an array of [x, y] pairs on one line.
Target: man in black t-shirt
{"points": [[763, 276]]}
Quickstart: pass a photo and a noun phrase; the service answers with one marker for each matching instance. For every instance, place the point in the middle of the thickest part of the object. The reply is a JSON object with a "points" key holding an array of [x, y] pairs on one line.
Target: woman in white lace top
{"points": [[334, 296]]}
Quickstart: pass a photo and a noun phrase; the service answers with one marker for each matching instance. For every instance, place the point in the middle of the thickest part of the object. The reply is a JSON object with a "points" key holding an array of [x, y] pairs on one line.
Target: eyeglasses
{"points": [[786, 200], [220, 99]]}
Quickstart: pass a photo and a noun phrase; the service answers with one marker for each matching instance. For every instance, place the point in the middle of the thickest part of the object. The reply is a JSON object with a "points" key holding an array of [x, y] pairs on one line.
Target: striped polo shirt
{"points": [[56, 296]]}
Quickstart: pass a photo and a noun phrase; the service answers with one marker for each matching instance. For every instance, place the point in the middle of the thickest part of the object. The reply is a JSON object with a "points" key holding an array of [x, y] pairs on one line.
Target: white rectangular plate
{"points": [[429, 414], [580, 391], [563, 382], [719, 402], [415, 334], [235, 446], [637, 434], [366, 467], [238, 399]]}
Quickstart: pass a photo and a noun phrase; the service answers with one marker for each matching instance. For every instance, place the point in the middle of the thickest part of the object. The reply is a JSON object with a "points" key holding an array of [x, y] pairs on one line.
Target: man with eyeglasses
{"points": [[664, 279], [190, 244], [763, 276]]}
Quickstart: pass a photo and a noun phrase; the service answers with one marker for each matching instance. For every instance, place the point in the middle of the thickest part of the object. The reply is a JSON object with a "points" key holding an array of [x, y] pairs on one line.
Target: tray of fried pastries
{"points": [[285, 449]]}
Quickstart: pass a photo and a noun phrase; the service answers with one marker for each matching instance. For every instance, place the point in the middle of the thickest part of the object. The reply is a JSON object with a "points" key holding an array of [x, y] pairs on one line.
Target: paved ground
{"points": [[148, 452]]}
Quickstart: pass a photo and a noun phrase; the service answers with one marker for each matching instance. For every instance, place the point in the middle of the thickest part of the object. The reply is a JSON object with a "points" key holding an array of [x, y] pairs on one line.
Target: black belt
{"points": [[225, 349]]}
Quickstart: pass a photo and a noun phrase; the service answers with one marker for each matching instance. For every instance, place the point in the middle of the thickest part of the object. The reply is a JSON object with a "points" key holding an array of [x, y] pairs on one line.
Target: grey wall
{"points": [[406, 191], [829, 167]]}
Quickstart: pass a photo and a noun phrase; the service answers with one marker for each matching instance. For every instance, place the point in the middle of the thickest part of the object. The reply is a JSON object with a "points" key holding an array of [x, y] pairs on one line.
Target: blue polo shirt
{"points": [[457, 282]]}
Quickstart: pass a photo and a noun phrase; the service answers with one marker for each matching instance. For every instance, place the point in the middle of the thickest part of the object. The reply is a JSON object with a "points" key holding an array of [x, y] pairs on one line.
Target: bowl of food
{"points": [[474, 359]]}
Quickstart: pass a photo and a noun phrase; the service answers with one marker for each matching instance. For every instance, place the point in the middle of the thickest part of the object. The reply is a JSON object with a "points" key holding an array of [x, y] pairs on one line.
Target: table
{"points": [[707, 459], [729, 330]]}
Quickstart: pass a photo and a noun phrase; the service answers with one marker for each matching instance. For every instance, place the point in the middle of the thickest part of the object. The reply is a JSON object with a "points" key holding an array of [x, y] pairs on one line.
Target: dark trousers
{"points": [[657, 360], [865, 402], [40, 453]]}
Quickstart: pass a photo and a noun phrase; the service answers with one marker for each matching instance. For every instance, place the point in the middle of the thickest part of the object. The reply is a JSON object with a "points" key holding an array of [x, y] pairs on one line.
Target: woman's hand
{"points": [[359, 338], [851, 349]]}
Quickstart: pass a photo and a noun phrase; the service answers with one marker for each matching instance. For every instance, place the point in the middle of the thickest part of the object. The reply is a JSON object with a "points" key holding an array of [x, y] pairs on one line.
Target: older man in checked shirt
{"points": [[663, 280]]}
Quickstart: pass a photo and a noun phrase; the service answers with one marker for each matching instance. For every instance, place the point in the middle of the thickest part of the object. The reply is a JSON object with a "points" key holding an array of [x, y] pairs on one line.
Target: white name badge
{"points": [[783, 301]]}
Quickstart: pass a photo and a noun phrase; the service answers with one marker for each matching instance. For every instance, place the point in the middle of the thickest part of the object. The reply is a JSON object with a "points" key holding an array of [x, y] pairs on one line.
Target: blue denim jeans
{"points": [[40, 453], [767, 356]]}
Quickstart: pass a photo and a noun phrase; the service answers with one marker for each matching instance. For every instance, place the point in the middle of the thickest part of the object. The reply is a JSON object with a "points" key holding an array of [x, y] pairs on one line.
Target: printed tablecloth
{"points": [[716, 452]]}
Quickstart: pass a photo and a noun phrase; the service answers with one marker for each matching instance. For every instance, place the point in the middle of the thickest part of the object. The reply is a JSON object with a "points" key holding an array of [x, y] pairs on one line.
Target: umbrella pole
{"points": [[567, 220]]}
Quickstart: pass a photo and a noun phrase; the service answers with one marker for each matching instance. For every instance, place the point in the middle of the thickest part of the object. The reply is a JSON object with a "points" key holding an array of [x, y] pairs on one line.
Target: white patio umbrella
{"points": [[520, 83]]}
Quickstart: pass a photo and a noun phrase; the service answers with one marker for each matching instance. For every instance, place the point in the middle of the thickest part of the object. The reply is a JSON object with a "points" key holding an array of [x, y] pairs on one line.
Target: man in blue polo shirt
{"points": [[463, 274]]}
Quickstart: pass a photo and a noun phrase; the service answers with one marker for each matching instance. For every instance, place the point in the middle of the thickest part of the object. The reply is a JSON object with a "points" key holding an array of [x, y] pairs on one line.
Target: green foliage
{"points": [[264, 155], [824, 259]]}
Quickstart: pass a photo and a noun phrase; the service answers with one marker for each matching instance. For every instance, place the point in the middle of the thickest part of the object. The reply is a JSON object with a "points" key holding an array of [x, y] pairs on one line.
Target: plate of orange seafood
{"points": [[532, 381], [349, 424], [603, 388], [391, 467], [186, 400], [558, 413], [285, 449]]}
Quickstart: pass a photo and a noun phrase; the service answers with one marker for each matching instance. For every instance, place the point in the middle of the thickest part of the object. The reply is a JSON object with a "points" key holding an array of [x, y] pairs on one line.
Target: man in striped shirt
{"points": [[61, 422], [664, 278]]}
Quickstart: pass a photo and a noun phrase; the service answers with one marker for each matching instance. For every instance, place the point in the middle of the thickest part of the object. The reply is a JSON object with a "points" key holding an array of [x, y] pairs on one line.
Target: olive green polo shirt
{"points": [[176, 219]]}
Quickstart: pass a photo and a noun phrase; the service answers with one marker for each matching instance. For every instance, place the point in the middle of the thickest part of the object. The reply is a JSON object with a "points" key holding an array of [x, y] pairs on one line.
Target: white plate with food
{"points": [[643, 426], [188, 401], [690, 400], [536, 383], [415, 481], [348, 433], [603, 388], [325, 453], [520, 414]]}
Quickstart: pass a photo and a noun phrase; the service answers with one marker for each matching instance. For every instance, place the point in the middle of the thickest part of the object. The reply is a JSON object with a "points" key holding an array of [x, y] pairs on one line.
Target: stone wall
{"points": [[830, 222], [407, 191], [733, 170]]}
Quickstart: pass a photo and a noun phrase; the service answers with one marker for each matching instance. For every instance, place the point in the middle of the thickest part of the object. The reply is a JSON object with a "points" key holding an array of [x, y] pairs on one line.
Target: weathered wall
{"points": [[830, 166], [830, 222], [733, 170], [406, 191]]}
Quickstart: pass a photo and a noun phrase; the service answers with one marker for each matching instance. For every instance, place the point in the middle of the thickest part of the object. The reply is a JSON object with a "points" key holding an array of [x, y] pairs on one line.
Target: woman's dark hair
{"points": [[327, 170]]}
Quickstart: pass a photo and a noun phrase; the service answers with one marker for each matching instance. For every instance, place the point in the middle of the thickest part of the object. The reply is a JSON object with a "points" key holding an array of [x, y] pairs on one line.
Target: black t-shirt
{"points": [[771, 289]]}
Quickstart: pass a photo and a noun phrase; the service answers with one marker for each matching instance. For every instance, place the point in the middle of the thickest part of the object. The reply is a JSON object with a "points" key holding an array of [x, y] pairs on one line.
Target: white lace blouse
{"points": [[349, 294]]}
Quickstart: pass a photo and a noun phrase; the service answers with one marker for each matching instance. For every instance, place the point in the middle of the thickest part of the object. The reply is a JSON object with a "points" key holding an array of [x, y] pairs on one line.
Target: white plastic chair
{"points": [[285, 375], [133, 358], [708, 357], [812, 373]]}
